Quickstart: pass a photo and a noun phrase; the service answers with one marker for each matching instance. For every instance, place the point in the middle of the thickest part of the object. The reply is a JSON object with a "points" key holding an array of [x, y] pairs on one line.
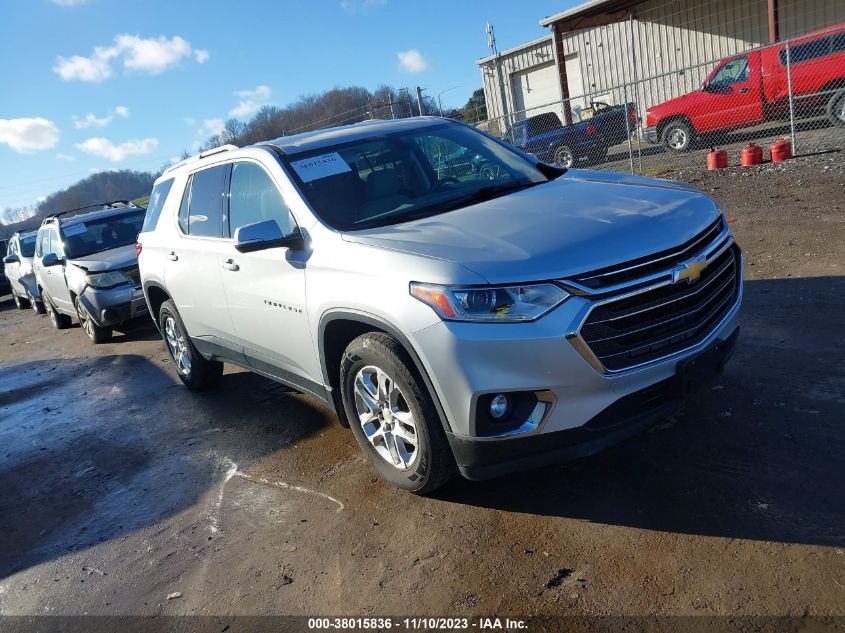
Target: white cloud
{"points": [[68, 157], [29, 134], [189, 120], [145, 55], [41, 198], [89, 120], [412, 61], [105, 148], [211, 127], [122, 111], [250, 101], [354, 6], [70, 3]]}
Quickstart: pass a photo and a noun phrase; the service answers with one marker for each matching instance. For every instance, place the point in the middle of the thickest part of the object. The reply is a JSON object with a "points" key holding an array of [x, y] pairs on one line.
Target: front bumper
{"points": [[628, 416], [112, 306], [650, 134]]}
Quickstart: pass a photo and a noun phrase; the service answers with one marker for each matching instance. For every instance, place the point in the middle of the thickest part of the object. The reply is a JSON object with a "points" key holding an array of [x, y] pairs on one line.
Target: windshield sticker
{"points": [[320, 167], [74, 229]]}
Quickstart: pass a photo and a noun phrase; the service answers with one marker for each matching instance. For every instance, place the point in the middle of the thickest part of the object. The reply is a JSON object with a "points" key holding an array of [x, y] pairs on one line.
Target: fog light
{"points": [[499, 406]]}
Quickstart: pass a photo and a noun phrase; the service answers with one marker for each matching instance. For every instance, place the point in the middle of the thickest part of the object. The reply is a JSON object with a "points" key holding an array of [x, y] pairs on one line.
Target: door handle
{"points": [[229, 264], [171, 255], [744, 90]]}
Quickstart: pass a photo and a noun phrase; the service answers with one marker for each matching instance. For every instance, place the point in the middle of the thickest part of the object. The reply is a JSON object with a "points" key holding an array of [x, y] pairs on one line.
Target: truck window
{"points": [[733, 72], [811, 50]]}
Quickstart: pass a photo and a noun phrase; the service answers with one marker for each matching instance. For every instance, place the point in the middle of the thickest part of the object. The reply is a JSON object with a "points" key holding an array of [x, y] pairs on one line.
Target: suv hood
{"points": [[113, 259], [580, 222]]}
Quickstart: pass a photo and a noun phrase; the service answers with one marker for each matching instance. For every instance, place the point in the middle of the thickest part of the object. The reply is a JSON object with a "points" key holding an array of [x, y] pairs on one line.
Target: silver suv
{"points": [[86, 267], [20, 273], [460, 305]]}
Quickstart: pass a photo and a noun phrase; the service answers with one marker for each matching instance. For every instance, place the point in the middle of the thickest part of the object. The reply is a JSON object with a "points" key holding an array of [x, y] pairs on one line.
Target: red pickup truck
{"points": [[748, 89]]}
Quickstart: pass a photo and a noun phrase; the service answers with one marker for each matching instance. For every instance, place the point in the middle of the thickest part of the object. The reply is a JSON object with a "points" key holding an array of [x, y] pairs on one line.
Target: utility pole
{"points": [[390, 102], [491, 43], [419, 100]]}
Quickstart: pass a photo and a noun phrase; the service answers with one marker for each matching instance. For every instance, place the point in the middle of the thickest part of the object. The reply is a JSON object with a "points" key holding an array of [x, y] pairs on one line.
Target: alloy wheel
{"points": [[51, 312], [85, 319], [564, 157], [677, 138], [385, 417], [839, 109], [178, 345]]}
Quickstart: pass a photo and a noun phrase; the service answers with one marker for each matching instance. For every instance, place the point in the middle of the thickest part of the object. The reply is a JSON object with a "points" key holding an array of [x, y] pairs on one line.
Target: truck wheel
{"points": [[564, 157], [96, 333], [836, 108], [677, 136], [392, 415], [59, 321], [194, 370]]}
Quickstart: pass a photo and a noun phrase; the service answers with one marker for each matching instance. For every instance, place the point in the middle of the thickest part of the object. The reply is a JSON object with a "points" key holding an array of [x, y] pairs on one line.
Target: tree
{"points": [[475, 109]]}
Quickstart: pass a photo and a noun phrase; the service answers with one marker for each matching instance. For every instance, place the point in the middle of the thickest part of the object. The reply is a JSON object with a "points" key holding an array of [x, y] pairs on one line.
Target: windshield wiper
{"points": [[487, 193]]}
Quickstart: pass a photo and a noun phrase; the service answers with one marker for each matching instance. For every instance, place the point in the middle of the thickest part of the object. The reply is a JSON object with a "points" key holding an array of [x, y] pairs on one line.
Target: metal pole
{"points": [[390, 102], [628, 127], [419, 100], [636, 88], [791, 104]]}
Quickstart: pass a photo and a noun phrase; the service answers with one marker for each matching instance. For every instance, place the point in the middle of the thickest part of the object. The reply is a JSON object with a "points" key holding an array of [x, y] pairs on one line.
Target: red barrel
{"points": [[717, 159], [781, 150], [751, 155]]}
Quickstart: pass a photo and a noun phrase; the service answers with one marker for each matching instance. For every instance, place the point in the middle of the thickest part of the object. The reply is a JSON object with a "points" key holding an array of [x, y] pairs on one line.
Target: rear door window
{"points": [[206, 216]]}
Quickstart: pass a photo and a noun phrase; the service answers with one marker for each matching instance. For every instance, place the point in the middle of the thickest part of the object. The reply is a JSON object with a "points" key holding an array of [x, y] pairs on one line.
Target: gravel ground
{"points": [[120, 488]]}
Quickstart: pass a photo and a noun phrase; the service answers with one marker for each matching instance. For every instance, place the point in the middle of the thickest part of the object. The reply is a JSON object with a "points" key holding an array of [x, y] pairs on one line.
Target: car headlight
{"points": [[108, 279], [495, 304]]}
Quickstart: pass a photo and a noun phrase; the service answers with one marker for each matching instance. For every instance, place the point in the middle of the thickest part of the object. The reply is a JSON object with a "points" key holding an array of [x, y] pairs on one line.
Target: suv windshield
{"points": [[28, 246], [102, 234], [408, 175]]}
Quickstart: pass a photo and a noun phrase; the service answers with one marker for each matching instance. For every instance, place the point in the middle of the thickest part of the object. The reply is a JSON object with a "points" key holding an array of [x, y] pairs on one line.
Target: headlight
{"points": [[107, 280], [497, 304]]}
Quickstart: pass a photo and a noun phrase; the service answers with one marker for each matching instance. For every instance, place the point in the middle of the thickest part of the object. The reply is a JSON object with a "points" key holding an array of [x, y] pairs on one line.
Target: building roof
{"points": [[587, 8], [516, 49]]}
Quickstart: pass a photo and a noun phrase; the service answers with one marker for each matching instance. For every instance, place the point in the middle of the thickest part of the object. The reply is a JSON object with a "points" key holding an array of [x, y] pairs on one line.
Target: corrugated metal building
{"points": [[605, 50]]}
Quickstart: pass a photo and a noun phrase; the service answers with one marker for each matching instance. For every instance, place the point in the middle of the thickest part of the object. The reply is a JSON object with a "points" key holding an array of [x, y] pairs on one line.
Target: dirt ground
{"points": [[118, 487]]}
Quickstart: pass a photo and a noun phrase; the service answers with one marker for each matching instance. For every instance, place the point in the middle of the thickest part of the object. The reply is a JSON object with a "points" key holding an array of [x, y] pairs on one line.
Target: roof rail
{"points": [[103, 205], [209, 152]]}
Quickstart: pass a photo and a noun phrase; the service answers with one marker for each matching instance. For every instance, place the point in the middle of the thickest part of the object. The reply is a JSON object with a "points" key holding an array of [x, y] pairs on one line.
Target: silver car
{"points": [[481, 322], [86, 268], [20, 273]]}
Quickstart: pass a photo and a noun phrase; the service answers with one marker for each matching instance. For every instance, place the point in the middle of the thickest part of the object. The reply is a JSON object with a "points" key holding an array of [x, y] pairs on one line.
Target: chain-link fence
{"points": [[652, 125]]}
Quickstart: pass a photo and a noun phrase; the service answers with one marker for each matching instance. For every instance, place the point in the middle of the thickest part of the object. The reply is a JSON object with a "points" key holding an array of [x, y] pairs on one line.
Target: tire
{"points": [[836, 108], [375, 369], [60, 321], [193, 369], [96, 333], [20, 304], [564, 157], [37, 306], [677, 136]]}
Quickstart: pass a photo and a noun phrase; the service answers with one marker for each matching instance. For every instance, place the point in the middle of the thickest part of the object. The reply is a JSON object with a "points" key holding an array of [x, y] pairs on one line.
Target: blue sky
{"points": [[92, 85]]}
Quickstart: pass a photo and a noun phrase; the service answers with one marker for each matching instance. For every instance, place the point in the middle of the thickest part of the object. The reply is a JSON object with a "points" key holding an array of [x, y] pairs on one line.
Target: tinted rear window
{"points": [[156, 204], [28, 246], [207, 196]]}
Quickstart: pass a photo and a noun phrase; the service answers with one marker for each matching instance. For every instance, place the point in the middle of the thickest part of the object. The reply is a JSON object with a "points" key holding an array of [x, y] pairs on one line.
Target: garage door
{"points": [[536, 87]]}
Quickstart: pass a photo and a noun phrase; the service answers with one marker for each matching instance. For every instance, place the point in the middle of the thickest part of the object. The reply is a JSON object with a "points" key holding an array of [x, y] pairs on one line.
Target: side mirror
{"points": [[11, 259], [267, 234], [50, 259]]}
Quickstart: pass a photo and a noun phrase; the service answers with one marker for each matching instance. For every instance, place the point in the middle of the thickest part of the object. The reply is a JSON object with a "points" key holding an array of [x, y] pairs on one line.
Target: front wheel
{"points": [[836, 108], [677, 136], [564, 157], [194, 370], [98, 334], [392, 415], [60, 321], [37, 306]]}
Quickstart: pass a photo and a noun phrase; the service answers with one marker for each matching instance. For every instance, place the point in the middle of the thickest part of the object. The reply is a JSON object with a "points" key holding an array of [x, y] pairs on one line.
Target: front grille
{"points": [[657, 262], [655, 323], [134, 274]]}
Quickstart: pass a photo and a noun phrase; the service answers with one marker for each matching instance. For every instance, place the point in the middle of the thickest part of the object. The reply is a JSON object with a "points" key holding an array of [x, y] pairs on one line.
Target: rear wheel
{"points": [[37, 306], [194, 370], [60, 321], [98, 334], [836, 108], [564, 156], [21, 304], [392, 415], [677, 136]]}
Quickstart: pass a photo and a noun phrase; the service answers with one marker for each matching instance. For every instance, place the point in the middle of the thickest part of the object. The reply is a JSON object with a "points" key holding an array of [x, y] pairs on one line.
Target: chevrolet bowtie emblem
{"points": [[689, 270]]}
